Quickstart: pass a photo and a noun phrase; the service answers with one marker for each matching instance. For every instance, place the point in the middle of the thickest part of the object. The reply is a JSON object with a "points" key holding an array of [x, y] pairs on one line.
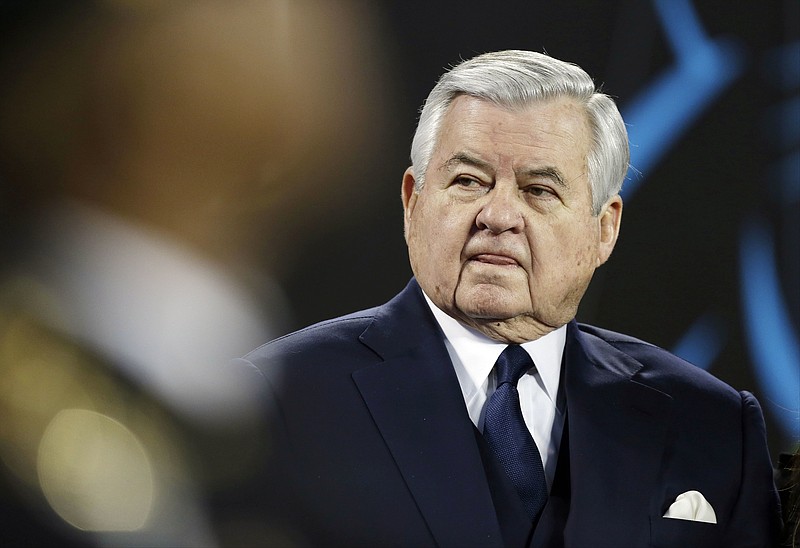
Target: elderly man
{"points": [[472, 409]]}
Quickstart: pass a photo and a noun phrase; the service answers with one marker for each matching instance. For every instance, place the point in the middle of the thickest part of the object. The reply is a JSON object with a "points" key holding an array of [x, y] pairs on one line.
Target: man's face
{"points": [[502, 236]]}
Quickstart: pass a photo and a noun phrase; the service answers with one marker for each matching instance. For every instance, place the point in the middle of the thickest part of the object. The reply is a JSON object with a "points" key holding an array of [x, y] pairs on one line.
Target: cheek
{"points": [[582, 239], [432, 242], [585, 257], [441, 228], [561, 252]]}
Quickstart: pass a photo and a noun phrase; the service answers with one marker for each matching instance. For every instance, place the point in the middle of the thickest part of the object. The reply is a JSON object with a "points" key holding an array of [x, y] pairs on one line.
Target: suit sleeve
{"points": [[756, 517]]}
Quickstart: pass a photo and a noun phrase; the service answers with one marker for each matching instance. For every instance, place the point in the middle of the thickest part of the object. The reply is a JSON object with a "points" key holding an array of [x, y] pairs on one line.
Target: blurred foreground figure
{"points": [[472, 409], [143, 145]]}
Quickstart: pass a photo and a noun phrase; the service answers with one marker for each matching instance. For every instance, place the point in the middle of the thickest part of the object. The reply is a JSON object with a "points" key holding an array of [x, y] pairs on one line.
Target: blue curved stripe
{"points": [[782, 66], [702, 342], [773, 345], [681, 25], [786, 173], [660, 114]]}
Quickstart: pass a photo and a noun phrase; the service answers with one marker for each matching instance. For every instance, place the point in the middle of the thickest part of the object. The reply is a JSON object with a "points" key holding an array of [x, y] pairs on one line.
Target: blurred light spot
{"points": [[136, 5], [95, 473], [40, 376]]}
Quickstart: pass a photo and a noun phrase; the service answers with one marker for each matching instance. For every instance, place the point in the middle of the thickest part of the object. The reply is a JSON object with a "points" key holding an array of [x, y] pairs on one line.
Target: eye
{"points": [[540, 191], [467, 182]]}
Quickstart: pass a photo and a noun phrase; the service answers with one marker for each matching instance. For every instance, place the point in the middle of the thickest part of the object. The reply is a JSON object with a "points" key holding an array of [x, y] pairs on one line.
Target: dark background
{"points": [[677, 273], [708, 262]]}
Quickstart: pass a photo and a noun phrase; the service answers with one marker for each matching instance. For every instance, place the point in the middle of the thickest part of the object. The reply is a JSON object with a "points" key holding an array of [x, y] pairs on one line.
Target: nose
{"points": [[501, 211]]}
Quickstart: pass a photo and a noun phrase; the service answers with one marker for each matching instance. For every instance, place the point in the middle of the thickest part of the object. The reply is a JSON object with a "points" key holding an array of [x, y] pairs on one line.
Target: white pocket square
{"points": [[692, 506]]}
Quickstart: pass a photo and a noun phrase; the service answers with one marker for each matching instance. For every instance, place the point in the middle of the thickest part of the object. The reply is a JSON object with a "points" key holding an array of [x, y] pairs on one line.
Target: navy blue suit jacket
{"points": [[372, 444]]}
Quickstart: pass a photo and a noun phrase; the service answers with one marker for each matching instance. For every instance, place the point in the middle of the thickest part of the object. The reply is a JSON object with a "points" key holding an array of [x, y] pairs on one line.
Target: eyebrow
{"points": [[463, 158], [550, 172]]}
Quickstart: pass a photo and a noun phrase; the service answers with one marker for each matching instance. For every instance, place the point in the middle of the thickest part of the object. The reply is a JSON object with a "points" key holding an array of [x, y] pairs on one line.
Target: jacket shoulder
{"points": [[319, 337], [614, 338], [658, 367]]}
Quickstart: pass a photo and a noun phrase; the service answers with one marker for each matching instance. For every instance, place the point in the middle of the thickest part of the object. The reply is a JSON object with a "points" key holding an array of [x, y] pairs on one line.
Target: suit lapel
{"points": [[416, 402], [617, 430]]}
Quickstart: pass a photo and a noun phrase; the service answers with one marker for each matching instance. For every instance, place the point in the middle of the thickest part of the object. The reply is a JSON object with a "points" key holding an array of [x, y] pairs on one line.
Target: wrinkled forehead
{"points": [[560, 119], [547, 139]]}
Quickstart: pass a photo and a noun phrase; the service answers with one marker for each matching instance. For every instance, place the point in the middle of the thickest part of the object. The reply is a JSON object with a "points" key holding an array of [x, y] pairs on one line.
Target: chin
{"points": [[489, 306]]}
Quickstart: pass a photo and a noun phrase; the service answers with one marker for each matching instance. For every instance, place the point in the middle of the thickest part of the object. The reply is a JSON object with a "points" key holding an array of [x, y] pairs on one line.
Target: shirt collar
{"points": [[477, 354]]}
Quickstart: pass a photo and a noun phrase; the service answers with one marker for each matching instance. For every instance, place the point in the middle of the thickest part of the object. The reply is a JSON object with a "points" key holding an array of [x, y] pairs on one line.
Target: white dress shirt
{"points": [[543, 405]]}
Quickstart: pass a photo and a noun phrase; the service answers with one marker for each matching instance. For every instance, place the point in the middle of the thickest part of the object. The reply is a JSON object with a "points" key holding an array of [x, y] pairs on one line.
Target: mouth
{"points": [[496, 260]]}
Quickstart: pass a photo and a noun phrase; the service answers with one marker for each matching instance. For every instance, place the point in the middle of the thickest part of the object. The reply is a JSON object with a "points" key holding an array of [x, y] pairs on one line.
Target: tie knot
{"points": [[512, 364]]}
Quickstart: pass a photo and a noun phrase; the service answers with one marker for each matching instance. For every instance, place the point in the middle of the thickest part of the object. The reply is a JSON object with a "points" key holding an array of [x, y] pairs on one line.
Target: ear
{"points": [[609, 220], [409, 196]]}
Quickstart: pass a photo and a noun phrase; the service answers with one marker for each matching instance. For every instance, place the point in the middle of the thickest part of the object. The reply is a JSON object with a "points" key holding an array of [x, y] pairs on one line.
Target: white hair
{"points": [[515, 78]]}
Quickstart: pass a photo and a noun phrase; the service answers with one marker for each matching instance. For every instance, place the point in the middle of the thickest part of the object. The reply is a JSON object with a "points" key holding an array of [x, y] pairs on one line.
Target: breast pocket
{"points": [[669, 533]]}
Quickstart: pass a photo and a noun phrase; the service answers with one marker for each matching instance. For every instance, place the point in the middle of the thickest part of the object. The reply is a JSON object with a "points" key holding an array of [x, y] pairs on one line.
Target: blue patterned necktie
{"points": [[506, 433]]}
